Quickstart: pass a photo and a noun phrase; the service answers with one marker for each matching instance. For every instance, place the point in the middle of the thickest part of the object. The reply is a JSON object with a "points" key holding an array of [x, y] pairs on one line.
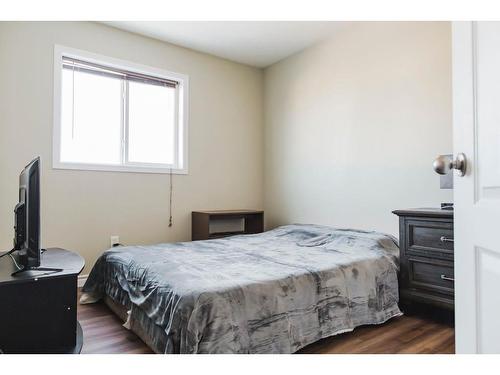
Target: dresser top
{"points": [[70, 262], [427, 212]]}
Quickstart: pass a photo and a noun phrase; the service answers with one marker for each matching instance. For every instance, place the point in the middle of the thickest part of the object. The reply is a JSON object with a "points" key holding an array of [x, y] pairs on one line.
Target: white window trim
{"points": [[182, 128]]}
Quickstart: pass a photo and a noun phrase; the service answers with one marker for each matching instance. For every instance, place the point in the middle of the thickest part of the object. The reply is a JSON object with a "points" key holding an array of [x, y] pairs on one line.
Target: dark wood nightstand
{"points": [[206, 225], [426, 256]]}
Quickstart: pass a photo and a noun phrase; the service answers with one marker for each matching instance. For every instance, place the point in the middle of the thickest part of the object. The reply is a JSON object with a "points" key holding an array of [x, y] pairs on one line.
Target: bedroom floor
{"points": [[422, 333]]}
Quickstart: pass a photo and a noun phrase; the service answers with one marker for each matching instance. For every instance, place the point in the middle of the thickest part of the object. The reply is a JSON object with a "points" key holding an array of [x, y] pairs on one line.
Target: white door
{"points": [[476, 133]]}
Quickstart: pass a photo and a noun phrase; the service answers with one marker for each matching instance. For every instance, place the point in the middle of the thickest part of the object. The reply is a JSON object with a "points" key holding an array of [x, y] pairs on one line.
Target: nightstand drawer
{"points": [[429, 238], [431, 274]]}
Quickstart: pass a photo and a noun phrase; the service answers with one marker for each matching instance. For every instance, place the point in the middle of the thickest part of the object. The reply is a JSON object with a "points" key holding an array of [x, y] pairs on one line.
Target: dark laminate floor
{"points": [[103, 333]]}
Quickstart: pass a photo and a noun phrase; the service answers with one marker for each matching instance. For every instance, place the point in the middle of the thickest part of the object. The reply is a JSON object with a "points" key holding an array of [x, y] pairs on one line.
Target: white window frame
{"points": [[181, 128]]}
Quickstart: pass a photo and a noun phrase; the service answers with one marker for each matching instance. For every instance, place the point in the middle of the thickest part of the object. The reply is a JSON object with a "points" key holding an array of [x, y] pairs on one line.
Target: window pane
{"points": [[151, 119], [91, 118]]}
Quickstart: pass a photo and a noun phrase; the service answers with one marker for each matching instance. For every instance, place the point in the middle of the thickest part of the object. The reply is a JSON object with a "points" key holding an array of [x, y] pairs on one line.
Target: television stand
{"points": [[38, 310], [41, 269]]}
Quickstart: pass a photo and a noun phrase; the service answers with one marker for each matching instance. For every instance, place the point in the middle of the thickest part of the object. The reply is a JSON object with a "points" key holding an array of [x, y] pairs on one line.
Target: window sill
{"points": [[117, 168]]}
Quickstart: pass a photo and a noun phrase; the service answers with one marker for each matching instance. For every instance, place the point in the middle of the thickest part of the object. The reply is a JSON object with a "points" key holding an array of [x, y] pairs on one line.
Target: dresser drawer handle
{"points": [[444, 277], [446, 239]]}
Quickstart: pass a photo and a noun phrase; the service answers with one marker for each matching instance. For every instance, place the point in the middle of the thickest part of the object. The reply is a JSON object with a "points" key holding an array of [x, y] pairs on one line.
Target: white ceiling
{"points": [[256, 43]]}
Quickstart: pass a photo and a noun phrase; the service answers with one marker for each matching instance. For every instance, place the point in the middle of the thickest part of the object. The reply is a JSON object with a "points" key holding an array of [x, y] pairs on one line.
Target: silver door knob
{"points": [[444, 164]]}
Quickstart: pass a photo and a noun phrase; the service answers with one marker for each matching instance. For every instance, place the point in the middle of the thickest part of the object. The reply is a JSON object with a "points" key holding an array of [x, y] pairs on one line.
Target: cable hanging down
{"points": [[170, 199], [17, 265], [7, 253]]}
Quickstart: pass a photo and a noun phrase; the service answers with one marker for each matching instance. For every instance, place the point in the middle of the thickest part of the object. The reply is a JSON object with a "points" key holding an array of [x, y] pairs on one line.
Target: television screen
{"points": [[28, 216]]}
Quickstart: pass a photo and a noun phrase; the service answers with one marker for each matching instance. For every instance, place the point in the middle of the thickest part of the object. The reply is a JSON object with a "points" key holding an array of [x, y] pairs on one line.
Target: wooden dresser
{"points": [[426, 256]]}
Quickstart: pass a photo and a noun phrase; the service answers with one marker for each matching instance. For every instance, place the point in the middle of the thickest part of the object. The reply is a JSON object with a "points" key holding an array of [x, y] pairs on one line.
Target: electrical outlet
{"points": [[114, 240]]}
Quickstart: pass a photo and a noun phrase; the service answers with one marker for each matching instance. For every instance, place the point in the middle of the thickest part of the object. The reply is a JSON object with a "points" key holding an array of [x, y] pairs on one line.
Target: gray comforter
{"points": [[274, 292]]}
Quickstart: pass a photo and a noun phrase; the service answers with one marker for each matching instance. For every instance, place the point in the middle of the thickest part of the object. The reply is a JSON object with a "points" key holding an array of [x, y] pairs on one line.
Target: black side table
{"points": [[38, 308]]}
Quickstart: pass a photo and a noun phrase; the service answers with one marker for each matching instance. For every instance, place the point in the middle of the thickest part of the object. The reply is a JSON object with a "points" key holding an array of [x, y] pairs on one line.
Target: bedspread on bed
{"points": [[273, 292]]}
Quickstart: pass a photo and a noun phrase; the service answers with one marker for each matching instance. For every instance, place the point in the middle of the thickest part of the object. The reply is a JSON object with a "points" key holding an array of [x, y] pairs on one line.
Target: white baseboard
{"points": [[81, 280]]}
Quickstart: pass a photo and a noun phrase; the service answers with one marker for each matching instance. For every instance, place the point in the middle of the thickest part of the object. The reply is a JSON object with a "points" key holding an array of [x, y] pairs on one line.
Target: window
{"points": [[113, 115]]}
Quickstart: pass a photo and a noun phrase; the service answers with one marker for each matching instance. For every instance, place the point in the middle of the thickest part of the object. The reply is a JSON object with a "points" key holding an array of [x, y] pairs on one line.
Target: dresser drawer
{"points": [[429, 238], [431, 274]]}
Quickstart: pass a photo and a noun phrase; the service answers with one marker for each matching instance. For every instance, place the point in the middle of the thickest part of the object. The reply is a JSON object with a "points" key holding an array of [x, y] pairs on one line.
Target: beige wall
{"points": [[81, 209], [352, 127], [354, 123]]}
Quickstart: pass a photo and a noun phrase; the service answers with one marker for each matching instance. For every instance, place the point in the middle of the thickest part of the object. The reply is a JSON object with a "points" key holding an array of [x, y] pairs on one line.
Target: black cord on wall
{"points": [[170, 199], [7, 253]]}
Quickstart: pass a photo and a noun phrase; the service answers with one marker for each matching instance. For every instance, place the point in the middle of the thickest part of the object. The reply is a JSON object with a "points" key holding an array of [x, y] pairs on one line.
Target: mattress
{"points": [[273, 292]]}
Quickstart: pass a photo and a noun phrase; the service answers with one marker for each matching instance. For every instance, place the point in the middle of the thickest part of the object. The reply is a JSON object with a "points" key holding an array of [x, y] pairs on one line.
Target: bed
{"points": [[273, 292]]}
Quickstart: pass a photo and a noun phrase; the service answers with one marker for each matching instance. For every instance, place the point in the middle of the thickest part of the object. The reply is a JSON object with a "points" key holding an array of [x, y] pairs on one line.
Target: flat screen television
{"points": [[27, 222], [27, 217]]}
